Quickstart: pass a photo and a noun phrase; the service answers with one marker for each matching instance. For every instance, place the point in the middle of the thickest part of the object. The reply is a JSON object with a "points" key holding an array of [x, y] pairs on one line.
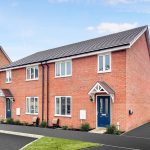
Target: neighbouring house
{"points": [[4, 58], [101, 81]]}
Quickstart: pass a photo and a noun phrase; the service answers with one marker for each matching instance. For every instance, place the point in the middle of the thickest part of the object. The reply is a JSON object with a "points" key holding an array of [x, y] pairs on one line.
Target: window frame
{"points": [[32, 67], [29, 113], [55, 114], [59, 63], [104, 58], [10, 76]]}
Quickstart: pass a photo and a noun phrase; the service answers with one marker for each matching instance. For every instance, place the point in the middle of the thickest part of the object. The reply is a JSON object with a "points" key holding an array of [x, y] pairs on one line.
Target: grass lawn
{"points": [[48, 143]]}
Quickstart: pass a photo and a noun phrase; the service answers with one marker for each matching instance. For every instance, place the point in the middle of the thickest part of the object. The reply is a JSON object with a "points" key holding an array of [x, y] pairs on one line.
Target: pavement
{"points": [[138, 139], [13, 142]]}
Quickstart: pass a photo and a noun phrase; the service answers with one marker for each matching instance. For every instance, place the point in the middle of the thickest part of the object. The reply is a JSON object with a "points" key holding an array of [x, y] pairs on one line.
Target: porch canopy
{"points": [[6, 93], [102, 87]]}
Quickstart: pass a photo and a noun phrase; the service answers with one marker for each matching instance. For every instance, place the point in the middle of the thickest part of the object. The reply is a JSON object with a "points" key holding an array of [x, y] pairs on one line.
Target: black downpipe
{"points": [[47, 93], [42, 91]]}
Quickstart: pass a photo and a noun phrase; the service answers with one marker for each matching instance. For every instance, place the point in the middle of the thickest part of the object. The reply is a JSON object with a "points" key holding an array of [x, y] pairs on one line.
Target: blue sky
{"points": [[28, 26]]}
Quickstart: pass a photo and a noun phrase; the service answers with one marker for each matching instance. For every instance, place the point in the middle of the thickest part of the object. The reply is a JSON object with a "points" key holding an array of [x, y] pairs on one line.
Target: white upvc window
{"points": [[104, 63], [63, 106], [8, 76], [63, 68], [32, 105], [32, 73]]}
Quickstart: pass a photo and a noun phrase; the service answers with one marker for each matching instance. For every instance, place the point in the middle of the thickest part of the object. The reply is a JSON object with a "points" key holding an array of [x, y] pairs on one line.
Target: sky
{"points": [[29, 26]]}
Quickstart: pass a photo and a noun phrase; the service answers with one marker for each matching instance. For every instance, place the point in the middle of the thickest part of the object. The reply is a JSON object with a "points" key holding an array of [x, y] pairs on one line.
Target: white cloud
{"points": [[114, 2], [110, 27]]}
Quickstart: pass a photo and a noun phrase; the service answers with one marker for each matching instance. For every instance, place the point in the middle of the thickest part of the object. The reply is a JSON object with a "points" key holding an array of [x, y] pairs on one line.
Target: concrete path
{"points": [[110, 142], [13, 142]]}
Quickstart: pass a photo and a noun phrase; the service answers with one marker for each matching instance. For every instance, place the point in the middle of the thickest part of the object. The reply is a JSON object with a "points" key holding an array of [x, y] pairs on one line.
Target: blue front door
{"points": [[103, 111], [8, 108]]}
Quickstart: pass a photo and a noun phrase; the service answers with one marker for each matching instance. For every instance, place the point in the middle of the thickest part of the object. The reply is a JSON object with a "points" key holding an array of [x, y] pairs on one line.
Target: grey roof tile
{"points": [[97, 44]]}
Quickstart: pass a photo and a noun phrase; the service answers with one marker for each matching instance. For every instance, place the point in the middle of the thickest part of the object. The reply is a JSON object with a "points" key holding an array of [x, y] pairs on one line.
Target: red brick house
{"points": [[101, 81], [4, 58]]}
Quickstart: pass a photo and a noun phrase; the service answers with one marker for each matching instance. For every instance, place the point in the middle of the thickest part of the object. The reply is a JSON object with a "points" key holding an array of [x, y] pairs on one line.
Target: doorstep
{"points": [[100, 130]]}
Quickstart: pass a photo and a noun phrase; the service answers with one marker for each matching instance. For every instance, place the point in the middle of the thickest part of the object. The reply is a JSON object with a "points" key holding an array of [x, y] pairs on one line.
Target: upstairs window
{"points": [[104, 63], [63, 68], [32, 73], [8, 76]]}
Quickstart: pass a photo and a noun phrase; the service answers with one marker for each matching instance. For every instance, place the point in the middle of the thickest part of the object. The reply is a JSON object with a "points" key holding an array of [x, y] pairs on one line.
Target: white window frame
{"points": [[59, 62], [29, 113], [9, 74], [103, 55], [33, 67], [65, 106]]}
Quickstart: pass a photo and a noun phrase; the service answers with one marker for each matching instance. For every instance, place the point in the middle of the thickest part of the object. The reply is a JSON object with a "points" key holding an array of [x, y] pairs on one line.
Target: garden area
{"points": [[48, 143]]}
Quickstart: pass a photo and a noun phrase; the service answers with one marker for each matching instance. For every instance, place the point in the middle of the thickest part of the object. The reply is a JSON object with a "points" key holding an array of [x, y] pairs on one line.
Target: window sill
{"points": [[8, 82], [104, 71], [32, 79], [66, 116], [63, 76], [31, 114]]}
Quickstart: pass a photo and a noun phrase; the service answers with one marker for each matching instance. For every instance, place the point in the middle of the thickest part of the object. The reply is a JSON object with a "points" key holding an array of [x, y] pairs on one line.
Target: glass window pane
{"points": [[106, 105], [100, 63], [57, 69], [36, 105], [68, 106], [32, 105], [57, 106], [62, 105], [27, 105], [107, 62], [101, 105], [36, 72], [62, 68], [28, 73], [68, 65], [32, 73]]}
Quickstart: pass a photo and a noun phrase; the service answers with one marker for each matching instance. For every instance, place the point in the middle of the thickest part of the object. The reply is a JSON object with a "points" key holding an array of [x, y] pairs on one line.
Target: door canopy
{"points": [[102, 87], [6, 94]]}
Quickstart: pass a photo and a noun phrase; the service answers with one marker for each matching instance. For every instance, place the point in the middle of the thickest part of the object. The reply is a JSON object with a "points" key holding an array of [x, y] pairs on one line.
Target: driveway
{"points": [[142, 131], [111, 142], [13, 142]]}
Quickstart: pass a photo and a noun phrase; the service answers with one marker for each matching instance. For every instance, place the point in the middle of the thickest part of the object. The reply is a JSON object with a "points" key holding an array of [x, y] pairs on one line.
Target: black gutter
{"points": [[23, 65], [47, 93], [42, 91]]}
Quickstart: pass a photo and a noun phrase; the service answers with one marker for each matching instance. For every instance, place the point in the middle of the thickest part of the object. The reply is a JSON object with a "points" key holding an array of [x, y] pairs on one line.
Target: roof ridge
{"points": [[92, 39]]}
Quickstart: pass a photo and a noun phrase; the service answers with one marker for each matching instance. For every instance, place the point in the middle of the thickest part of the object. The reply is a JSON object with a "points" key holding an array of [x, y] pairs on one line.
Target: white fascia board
{"points": [[73, 57], [91, 53], [138, 36]]}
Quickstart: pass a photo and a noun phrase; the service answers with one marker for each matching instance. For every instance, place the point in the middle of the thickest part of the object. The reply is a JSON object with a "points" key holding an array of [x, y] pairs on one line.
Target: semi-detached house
{"points": [[101, 81]]}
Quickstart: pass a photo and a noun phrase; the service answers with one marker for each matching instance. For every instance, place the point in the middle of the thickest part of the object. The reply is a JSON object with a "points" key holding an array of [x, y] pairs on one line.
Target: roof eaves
{"points": [[138, 36], [115, 48]]}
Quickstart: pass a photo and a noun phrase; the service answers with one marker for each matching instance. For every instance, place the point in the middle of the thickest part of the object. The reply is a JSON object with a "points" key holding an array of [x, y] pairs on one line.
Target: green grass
{"points": [[48, 143]]}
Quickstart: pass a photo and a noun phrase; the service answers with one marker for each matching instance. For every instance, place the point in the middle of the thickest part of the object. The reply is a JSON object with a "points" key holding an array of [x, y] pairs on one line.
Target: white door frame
{"points": [[110, 110]]}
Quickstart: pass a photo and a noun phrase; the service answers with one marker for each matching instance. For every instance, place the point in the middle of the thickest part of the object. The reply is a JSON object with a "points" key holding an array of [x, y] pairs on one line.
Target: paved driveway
{"points": [[143, 131], [126, 142], [13, 142]]}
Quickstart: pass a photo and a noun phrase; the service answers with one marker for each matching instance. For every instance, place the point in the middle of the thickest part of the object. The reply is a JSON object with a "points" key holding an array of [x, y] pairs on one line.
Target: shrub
{"points": [[112, 129], [25, 123], [2, 120], [85, 127], [65, 127], [43, 124], [17, 122], [9, 121]]}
